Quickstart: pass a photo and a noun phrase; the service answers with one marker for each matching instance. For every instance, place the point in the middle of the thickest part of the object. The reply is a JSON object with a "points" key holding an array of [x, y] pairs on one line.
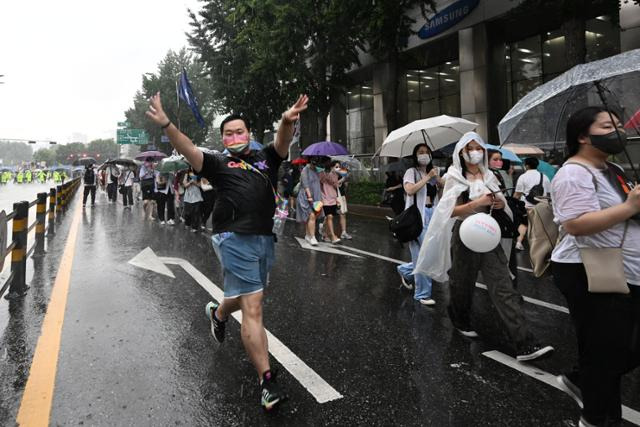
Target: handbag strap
{"points": [[415, 181]]}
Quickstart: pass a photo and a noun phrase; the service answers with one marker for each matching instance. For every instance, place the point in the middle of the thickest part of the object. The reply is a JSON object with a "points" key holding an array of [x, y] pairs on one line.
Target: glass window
{"points": [[428, 88], [360, 130], [553, 53], [602, 37]]}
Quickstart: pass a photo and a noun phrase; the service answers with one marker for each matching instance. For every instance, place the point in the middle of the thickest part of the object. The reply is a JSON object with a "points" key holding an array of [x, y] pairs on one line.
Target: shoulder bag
{"points": [[408, 225]]}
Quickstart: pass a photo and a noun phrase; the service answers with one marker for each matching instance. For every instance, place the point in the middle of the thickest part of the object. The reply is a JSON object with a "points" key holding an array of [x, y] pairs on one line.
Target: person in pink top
{"points": [[329, 181]]}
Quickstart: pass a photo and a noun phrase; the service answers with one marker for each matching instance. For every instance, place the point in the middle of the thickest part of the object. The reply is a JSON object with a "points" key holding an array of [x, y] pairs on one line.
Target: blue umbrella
{"points": [[325, 148], [506, 154], [546, 169]]}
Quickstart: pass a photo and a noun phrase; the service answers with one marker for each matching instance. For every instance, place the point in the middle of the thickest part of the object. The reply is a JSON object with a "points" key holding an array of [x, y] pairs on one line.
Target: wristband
{"points": [[166, 126]]}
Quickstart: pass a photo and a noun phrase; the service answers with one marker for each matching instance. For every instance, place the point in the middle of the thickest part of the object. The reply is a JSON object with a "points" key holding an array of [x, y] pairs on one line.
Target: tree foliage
{"points": [[47, 155], [164, 80], [13, 153]]}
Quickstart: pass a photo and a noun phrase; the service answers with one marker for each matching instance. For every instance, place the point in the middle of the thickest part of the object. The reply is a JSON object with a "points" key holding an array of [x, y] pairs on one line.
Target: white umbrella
{"points": [[436, 132]]}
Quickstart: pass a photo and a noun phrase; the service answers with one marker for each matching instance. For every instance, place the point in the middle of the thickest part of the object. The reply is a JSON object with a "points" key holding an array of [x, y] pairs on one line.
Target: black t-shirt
{"points": [[245, 201]]}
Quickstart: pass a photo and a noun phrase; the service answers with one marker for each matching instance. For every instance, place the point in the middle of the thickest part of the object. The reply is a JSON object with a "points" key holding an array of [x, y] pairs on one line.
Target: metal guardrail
{"points": [[59, 201]]}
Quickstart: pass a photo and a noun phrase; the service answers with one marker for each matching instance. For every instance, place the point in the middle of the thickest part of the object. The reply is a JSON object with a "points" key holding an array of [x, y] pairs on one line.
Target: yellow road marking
{"points": [[35, 407]]}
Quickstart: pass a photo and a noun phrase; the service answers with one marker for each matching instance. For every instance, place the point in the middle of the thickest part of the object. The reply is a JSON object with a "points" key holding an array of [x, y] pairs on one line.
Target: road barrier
{"points": [[59, 199]]}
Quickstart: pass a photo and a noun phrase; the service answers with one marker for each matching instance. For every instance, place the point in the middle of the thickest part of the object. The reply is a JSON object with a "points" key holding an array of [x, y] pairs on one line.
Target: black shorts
{"points": [[330, 210], [146, 186]]}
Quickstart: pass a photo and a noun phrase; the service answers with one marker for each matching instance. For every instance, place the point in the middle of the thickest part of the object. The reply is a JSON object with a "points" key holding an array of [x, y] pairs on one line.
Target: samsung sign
{"points": [[446, 18]]}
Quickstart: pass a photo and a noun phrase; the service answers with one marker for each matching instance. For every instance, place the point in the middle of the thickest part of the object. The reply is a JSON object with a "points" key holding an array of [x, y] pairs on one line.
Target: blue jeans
{"points": [[422, 283]]}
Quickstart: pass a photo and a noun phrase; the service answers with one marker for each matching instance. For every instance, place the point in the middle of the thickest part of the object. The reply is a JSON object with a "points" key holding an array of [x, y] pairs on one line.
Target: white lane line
{"points": [[534, 301], [360, 251], [319, 388], [628, 414]]}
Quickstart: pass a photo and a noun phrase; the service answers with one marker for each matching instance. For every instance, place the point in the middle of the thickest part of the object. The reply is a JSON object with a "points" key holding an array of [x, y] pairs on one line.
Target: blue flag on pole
{"points": [[186, 94]]}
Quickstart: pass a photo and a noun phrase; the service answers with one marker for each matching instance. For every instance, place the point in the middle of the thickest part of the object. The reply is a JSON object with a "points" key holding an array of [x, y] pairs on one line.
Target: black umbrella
{"points": [[84, 161]]}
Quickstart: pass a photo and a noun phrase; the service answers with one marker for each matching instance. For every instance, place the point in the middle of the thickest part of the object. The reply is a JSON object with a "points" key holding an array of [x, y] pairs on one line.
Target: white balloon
{"points": [[480, 233]]}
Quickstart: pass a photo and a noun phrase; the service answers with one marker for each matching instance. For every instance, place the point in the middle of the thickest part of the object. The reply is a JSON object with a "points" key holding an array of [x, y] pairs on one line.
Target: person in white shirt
{"points": [[113, 173], [165, 198], [597, 207], [126, 183], [527, 181]]}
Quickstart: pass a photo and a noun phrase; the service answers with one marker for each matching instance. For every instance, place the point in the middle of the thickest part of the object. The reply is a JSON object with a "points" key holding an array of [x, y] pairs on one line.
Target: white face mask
{"points": [[474, 157], [424, 159]]}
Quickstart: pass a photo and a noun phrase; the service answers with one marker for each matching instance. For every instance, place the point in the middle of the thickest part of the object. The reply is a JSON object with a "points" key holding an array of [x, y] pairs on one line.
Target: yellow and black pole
{"points": [[58, 201], [20, 228], [41, 214], [52, 211]]}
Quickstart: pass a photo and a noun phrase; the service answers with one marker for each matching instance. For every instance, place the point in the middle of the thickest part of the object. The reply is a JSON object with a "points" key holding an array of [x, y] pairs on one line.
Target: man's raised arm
{"points": [[285, 130], [179, 141]]}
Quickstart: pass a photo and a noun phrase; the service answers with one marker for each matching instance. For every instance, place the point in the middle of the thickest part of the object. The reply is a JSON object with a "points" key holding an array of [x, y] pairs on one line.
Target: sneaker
{"points": [[567, 383], [406, 284], [519, 246], [271, 392], [346, 236], [326, 239], [311, 240], [465, 330], [161, 222], [202, 227], [532, 352], [217, 326], [428, 301], [194, 230], [171, 222], [336, 241]]}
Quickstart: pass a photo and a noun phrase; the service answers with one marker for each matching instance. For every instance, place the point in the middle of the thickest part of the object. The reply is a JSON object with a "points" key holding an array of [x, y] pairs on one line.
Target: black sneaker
{"points": [[217, 326], [532, 352], [568, 384], [271, 393]]}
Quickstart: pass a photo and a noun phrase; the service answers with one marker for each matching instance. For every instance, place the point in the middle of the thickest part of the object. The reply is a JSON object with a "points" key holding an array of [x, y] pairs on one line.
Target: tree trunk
{"points": [[258, 131], [323, 112], [575, 41]]}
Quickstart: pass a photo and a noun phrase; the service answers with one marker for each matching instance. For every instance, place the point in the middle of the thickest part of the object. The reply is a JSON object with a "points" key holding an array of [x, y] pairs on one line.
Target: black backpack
{"points": [[408, 225], [89, 177], [536, 191]]}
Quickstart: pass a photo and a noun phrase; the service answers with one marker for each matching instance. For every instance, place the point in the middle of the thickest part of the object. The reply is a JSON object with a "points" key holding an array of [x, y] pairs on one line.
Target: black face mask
{"points": [[610, 143]]}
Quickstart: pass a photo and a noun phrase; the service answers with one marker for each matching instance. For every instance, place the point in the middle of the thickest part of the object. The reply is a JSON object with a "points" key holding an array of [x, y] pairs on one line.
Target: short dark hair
{"points": [[578, 125], [531, 163], [231, 118]]}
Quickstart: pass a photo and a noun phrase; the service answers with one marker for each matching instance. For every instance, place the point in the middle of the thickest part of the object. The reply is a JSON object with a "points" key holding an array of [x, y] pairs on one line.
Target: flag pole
{"points": [[178, 101]]}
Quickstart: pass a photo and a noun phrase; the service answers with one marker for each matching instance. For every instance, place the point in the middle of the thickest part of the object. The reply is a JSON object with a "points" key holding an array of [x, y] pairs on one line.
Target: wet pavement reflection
{"points": [[136, 347]]}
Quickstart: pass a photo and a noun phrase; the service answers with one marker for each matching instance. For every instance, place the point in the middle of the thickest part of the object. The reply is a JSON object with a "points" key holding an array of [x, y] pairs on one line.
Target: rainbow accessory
{"points": [[317, 207]]}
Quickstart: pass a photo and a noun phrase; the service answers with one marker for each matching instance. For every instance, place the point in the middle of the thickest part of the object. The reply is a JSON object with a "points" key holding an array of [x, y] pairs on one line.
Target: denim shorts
{"points": [[246, 261]]}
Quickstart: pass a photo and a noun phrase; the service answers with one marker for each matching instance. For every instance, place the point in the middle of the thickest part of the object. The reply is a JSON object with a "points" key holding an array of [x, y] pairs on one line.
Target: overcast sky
{"points": [[72, 67]]}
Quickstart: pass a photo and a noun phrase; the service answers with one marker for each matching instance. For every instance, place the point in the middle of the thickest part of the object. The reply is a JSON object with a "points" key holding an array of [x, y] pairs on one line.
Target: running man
{"points": [[243, 221]]}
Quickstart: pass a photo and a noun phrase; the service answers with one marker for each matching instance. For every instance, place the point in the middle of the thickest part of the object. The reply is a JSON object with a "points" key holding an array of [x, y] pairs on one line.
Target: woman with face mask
{"points": [[597, 207], [420, 185], [472, 188], [310, 193]]}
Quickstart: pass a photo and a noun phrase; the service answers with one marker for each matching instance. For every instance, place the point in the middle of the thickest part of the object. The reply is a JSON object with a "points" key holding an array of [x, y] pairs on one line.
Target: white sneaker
{"points": [[427, 301], [161, 222], [346, 236], [171, 222], [519, 246], [311, 240], [335, 242]]}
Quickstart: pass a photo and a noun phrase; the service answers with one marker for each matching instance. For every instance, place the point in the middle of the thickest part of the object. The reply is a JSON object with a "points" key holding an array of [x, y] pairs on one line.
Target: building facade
{"points": [[474, 59]]}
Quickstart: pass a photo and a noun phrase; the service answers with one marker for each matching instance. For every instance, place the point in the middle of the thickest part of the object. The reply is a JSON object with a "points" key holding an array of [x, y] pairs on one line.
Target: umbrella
{"points": [[437, 132], [84, 161], [157, 155], [300, 161], [547, 169], [541, 115], [399, 166], [350, 162], [325, 148], [173, 164], [121, 162], [524, 150], [507, 153]]}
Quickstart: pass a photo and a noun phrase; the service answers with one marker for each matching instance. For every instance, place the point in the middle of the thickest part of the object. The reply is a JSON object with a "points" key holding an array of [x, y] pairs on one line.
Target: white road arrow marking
{"points": [[308, 378], [324, 247], [148, 260]]}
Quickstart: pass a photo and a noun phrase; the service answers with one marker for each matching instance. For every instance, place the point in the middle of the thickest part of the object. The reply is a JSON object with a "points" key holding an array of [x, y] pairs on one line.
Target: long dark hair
{"points": [[414, 156], [578, 126]]}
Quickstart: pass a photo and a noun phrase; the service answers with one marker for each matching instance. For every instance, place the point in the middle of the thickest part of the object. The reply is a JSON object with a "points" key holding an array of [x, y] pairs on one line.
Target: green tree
{"points": [[47, 155], [571, 16], [388, 29], [67, 153], [103, 149], [13, 153], [164, 80]]}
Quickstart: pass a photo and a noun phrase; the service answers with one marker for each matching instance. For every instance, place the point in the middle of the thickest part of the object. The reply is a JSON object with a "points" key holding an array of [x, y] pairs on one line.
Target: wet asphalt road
{"points": [[136, 347]]}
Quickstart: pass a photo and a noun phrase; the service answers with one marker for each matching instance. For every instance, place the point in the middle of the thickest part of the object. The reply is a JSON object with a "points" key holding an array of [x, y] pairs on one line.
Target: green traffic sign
{"points": [[132, 136], [123, 124]]}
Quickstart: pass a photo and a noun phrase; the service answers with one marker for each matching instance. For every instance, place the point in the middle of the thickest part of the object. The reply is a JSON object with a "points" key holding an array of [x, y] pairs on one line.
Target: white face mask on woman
{"points": [[473, 157], [424, 159]]}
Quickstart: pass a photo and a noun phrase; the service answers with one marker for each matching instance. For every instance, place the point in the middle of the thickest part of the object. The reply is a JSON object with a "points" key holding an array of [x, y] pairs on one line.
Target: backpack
{"points": [[543, 233], [89, 177], [407, 226], [536, 191]]}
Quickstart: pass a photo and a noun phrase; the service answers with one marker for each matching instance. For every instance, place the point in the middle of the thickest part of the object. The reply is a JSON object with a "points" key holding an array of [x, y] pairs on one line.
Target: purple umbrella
{"points": [[155, 154], [325, 148]]}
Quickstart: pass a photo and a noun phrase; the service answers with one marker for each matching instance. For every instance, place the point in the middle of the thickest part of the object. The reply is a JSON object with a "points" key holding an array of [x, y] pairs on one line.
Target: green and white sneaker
{"points": [[271, 393], [217, 326]]}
